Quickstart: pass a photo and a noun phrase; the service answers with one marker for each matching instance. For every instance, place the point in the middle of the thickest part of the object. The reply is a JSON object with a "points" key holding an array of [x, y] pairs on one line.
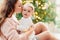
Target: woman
{"points": [[8, 25]]}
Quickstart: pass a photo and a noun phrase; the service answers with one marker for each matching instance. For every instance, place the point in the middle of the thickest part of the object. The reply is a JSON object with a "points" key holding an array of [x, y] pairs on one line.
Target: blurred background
{"points": [[47, 11]]}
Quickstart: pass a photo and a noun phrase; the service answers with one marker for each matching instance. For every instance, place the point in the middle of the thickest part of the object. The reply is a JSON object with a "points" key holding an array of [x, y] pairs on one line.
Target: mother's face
{"points": [[18, 6]]}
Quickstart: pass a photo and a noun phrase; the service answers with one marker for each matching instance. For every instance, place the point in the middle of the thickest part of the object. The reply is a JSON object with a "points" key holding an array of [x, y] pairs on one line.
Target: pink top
{"points": [[9, 30]]}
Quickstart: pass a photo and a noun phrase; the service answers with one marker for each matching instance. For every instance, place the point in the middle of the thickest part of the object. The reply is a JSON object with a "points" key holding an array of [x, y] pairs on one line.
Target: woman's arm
{"points": [[10, 32]]}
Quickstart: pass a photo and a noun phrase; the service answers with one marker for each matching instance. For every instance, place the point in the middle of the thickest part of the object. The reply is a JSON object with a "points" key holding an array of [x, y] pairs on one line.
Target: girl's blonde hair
{"points": [[29, 5]]}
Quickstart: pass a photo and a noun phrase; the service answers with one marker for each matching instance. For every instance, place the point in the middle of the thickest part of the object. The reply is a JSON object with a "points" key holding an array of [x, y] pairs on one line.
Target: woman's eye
{"points": [[19, 6], [24, 10]]}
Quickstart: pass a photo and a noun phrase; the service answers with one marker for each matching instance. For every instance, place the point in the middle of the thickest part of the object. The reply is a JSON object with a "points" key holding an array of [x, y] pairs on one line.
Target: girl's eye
{"points": [[28, 10]]}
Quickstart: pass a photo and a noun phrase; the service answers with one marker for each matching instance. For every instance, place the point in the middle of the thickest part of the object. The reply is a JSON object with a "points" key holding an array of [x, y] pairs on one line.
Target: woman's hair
{"points": [[8, 9]]}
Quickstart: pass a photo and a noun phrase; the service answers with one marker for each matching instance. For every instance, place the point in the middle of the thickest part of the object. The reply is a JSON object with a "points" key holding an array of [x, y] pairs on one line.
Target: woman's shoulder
{"points": [[7, 25], [9, 20], [6, 20]]}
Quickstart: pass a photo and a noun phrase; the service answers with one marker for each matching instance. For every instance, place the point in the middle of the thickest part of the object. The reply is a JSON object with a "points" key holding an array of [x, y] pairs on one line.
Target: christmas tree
{"points": [[44, 10]]}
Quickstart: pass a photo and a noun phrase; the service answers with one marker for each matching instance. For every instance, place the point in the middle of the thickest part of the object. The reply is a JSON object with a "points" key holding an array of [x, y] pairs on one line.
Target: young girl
{"points": [[26, 21], [26, 24]]}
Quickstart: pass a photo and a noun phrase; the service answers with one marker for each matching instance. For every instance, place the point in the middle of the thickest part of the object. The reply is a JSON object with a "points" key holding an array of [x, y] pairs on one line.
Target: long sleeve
{"points": [[9, 30]]}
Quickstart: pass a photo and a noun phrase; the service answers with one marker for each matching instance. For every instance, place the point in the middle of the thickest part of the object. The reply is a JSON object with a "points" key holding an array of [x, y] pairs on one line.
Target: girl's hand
{"points": [[30, 29]]}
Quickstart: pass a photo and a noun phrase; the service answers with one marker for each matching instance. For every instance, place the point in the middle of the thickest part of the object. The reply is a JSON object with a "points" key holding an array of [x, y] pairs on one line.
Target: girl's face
{"points": [[18, 6], [27, 12]]}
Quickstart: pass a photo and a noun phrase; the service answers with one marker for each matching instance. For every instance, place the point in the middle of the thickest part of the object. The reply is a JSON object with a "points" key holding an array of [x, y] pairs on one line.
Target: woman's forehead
{"points": [[20, 1]]}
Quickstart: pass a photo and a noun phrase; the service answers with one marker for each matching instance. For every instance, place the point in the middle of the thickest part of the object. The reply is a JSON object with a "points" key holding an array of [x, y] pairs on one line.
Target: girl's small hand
{"points": [[32, 28]]}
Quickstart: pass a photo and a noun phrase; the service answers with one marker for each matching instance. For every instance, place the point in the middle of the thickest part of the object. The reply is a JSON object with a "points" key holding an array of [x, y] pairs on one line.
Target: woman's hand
{"points": [[23, 36]]}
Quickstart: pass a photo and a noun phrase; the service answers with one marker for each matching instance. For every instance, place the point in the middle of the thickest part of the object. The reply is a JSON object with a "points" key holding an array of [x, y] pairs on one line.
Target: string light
{"points": [[39, 3], [24, 1], [29, 1], [39, 7], [45, 13], [37, 20], [36, 16], [42, 5], [43, 8], [36, 13]]}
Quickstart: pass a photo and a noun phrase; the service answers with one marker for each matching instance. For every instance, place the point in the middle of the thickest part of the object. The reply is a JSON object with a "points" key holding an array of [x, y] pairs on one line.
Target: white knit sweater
{"points": [[25, 24]]}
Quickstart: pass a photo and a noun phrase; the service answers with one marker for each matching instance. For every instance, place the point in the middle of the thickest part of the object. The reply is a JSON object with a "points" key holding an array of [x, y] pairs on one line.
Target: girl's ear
{"points": [[32, 12]]}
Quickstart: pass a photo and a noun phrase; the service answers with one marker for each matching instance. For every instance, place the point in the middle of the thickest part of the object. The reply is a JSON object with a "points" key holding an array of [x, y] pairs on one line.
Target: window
{"points": [[58, 7], [58, 14]]}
